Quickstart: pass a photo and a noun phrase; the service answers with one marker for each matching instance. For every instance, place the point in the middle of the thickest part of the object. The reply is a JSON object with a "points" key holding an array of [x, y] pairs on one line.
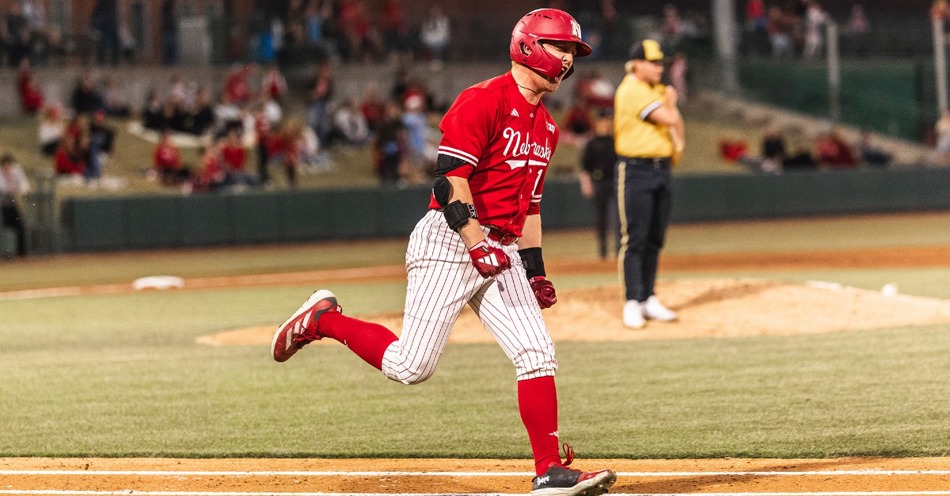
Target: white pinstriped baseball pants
{"points": [[442, 281]]}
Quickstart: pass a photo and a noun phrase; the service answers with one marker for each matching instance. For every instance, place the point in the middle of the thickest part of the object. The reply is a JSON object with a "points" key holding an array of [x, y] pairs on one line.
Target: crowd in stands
{"points": [[830, 149], [242, 122], [787, 28]]}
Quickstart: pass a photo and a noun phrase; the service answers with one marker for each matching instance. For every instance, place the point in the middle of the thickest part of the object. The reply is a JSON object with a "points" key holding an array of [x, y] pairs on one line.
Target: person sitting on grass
{"points": [[167, 166]]}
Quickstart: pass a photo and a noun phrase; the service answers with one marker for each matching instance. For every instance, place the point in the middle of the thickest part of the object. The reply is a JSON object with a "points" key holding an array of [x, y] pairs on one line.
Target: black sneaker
{"points": [[559, 480]]}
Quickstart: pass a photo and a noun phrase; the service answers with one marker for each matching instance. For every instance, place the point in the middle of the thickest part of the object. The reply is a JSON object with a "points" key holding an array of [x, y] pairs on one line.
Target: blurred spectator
{"points": [[105, 31], [86, 99], [678, 73], [780, 32], [756, 27], [858, 29], [577, 123], [152, 114], [226, 112], [70, 161], [858, 22], [236, 86], [773, 149], [169, 29], [233, 153], [609, 27], [174, 115], [283, 145], [127, 44], [359, 40], [372, 106], [831, 150], [801, 159], [598, 162], [16, 34], [31, 97], [200, 117], [212, 175], [417, 132], [389, 145], [395, 30], [672, 26], [166, 162], [815, 21], [101, 140], [321, 91], [435, 34], [50, 130], [871, 153], [273, 83], [13, 185], [262, 130], [116, 104], [180, 90], [596, 90], [349, 124], [942, 129]]}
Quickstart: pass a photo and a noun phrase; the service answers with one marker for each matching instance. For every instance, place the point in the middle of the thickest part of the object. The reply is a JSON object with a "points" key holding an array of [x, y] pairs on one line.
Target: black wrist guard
{"points": [[533, 263], [458, 213]]}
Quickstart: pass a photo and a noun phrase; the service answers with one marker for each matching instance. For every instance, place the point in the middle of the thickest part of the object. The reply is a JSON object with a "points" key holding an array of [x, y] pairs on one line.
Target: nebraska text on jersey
{"points": [[508, 143]]}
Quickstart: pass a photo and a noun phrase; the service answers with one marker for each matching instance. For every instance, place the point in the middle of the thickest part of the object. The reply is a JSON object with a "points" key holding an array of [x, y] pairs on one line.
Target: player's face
{"points": [[565, 52], [650, 71]]}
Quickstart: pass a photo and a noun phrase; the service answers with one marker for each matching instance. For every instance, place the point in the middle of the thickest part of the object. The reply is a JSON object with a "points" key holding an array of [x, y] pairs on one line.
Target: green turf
{"points": [[121, 375], [140, 386]]}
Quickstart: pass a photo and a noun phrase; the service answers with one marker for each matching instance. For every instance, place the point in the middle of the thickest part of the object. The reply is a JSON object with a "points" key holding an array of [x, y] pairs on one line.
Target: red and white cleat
{"points": [[301, 327]]}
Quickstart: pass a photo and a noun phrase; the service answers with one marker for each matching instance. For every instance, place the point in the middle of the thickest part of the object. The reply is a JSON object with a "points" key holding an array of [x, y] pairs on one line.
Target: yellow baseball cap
{"points": [[647, 50]]}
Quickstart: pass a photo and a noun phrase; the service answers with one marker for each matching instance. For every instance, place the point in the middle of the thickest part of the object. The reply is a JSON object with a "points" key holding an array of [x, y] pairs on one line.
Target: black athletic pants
{"points": [[644, 201]]}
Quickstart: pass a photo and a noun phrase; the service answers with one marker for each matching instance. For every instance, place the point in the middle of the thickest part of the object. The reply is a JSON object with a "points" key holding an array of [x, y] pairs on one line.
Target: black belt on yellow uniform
{"points": [[501, 236], [648, 162]]}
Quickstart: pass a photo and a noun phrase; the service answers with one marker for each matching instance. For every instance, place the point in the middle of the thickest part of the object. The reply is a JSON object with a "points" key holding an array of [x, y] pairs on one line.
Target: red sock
{"points": [[537, 401], [369, 341]]}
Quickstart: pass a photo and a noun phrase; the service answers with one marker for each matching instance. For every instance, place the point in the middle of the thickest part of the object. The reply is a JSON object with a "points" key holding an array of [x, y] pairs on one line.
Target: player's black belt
{"points": [[648, 162], [501, 236]]}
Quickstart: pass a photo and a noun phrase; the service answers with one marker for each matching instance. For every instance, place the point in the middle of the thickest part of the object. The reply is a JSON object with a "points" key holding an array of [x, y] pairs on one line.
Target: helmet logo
{"points": [[575, 29]]}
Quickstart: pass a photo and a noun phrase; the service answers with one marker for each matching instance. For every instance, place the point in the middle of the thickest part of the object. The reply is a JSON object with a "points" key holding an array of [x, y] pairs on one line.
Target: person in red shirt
{"points": [[232, 149], [213, 174], [479, 245], [167, 161], [69, 159], [832, 150], [274, 84], [31, 97], [236, 86]]}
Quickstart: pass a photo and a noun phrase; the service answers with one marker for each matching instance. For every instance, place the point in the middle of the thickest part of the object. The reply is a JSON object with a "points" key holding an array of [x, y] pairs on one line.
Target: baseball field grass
{"points": [[119, 374]]}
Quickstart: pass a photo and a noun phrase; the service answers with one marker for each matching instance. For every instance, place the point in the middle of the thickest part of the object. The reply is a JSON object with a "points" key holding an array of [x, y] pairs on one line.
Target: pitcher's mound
{"points": [[706, 307]]}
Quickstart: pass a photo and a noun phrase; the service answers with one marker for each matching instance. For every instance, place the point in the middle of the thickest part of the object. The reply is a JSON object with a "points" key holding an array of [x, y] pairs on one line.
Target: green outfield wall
{"points": [[141, 222]]}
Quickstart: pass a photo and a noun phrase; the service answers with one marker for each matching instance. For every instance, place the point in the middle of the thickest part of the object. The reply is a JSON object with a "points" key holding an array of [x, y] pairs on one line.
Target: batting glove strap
{"points": [[543, 291], [533, 262], [488, 261]]}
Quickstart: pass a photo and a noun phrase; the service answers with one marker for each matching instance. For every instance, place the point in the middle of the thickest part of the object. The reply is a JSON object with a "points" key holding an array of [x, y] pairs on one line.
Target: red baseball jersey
{"points": [[507, 144]]}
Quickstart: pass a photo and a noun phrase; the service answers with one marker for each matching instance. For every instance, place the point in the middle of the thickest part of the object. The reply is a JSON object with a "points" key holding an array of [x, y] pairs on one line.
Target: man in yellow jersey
{"points": [[649, 138]]}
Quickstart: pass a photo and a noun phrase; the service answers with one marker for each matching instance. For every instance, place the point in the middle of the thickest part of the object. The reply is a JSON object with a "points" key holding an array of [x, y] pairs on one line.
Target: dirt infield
{"points": [[439, 476]]}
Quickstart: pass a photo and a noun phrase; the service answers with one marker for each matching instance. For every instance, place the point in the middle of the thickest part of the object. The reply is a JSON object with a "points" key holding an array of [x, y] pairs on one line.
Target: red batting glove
{"points": [[543, 291], [488, 261]]}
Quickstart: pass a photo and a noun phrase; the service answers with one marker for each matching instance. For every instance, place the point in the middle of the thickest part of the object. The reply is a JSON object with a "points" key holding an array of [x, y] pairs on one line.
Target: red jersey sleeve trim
{"points": [[455, 152]]}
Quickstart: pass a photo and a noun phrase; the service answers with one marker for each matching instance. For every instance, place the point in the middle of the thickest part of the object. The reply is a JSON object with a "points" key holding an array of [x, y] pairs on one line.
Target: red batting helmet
{"points": [[545, 25]]}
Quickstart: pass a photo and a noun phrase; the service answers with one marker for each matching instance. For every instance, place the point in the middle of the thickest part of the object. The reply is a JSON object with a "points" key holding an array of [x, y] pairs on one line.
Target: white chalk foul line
{"points": [[205, 493], [334, 473]]}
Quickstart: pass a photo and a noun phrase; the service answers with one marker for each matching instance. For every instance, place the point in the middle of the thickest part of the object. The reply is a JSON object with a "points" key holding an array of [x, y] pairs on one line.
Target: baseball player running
{"points": [[480, 245]]}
